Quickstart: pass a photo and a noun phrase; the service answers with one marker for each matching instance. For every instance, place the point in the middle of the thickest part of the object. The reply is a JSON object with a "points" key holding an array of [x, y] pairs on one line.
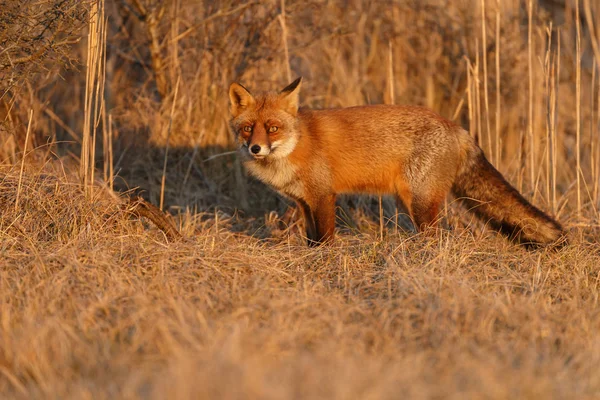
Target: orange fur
{"points": [[312, 156]]}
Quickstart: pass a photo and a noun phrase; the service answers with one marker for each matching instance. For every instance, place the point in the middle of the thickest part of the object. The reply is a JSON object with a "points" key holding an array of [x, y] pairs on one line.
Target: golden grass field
{"points": [[94, 305], [98, 303]]}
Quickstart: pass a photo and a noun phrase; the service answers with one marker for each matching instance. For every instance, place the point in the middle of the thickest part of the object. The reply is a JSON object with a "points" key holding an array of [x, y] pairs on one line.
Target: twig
{"points": [[594, 36], [281, 19], [530, 109], [23, 160], [141, 208], [219, 155], [164, 172], [578, 106], [498, 156], [210, 18], [485, 80]]}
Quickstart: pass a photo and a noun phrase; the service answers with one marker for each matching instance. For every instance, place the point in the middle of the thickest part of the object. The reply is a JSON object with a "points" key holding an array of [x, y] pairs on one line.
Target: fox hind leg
{"points": [[422, 208], [404, 200], [426, 211]]}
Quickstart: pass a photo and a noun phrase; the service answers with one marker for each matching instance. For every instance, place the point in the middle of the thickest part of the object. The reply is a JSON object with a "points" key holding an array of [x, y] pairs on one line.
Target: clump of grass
{"points": [[53, 209]]}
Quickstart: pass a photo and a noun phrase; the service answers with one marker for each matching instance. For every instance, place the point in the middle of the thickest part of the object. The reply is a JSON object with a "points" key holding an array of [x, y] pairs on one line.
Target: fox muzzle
{"points": [[256, 150]]}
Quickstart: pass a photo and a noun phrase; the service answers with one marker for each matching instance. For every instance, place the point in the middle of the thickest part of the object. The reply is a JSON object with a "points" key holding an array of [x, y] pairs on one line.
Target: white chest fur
{"points": [[278, 173]]}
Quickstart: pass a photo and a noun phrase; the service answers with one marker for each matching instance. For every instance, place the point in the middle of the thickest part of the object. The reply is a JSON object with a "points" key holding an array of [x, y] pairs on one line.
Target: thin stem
{"points": [[164, 171], [23, 160]]}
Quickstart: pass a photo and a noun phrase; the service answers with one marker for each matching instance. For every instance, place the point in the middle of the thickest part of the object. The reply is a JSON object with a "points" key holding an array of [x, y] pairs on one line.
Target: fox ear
{"points": [[240, 98], [290, 96]]}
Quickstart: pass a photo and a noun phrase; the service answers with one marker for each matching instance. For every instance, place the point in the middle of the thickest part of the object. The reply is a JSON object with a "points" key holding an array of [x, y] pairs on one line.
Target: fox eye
{"points": [[247, 128], [273, 129]]}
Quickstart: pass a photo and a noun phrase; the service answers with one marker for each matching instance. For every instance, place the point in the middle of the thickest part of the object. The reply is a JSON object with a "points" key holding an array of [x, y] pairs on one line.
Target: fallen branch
{"points": [[141, 208]]}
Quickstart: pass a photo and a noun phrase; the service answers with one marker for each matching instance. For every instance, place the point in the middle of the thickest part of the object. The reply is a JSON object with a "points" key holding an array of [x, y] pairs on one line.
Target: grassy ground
{"points": [[93, 304], [96, 303]]}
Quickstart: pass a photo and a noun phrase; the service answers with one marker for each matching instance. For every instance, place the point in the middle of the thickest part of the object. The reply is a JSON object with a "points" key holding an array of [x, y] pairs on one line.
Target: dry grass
{"points": [[96, 304]]}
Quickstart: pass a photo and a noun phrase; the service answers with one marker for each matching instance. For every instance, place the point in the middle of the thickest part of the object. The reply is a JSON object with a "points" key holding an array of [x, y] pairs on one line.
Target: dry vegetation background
{"points": [[97, 98]]}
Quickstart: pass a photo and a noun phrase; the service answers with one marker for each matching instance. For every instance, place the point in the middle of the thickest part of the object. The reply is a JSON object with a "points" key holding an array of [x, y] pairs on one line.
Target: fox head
{"points": [[265, 126]]}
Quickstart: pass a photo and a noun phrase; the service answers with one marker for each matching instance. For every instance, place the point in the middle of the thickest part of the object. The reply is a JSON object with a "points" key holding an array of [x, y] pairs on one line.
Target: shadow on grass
{"points": [[211, 181]]}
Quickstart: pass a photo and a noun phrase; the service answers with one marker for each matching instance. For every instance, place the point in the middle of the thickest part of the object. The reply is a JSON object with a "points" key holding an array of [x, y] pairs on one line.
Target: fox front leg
{"points": [[309, 222], [325, 218], [319, 219]]}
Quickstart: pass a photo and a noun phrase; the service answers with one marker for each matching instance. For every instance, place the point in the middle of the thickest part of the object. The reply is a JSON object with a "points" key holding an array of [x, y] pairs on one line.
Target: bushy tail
{"points": [[485, 192]]}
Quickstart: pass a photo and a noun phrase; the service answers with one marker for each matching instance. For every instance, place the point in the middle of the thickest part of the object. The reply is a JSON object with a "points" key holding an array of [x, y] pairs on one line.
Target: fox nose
{"points": [[255, 149]]}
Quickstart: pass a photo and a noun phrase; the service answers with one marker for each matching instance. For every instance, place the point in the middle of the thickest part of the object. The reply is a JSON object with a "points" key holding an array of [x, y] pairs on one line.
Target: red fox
{"points": [[311, 156]]}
